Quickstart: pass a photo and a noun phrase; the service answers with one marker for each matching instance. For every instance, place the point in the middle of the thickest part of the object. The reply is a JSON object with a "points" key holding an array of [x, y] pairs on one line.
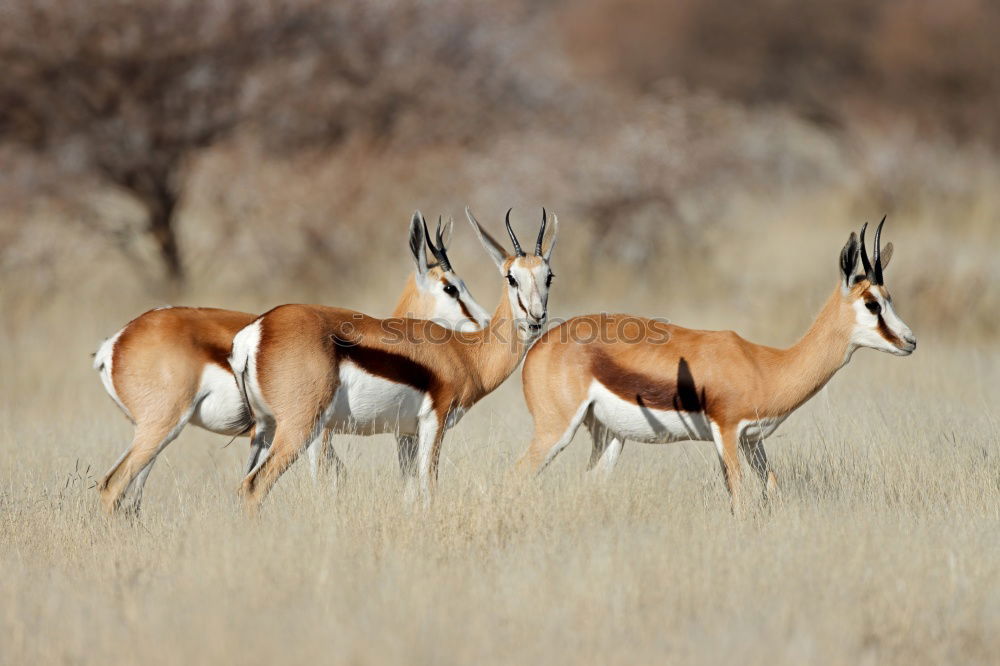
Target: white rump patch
{"points": [[243, 362], [103, 360]]}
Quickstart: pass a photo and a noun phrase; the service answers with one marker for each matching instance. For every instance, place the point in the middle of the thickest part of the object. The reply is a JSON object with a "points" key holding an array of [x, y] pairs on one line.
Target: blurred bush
{"points": [[934, 64], [244, 153], [128, 91]]}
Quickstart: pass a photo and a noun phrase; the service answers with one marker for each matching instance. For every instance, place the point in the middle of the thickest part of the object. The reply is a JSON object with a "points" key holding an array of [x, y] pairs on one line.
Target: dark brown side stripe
{"points": [[679, 395], [388, 365]]}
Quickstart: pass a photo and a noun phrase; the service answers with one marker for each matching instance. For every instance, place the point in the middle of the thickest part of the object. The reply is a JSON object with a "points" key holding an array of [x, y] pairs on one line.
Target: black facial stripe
{"points": [[465, 310], [521, 303], [887, 333]]}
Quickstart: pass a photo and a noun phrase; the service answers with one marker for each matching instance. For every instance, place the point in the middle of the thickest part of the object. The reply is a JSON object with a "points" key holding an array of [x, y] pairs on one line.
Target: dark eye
{"points": [[548, 280], [451, 290], [511, 281], [873, 307]]}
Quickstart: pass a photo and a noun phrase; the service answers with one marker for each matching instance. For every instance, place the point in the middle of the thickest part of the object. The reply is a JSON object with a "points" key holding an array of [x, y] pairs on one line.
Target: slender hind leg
{"points": [[753, 449], [553, 432], [607, 448], [133, 496], [259, 441], [149, 440], [289, 440]]}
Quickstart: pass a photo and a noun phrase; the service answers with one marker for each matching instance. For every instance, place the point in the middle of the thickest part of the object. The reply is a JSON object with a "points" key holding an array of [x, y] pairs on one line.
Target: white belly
{"points": [[642, 424], [366, 404], [221, 409]]}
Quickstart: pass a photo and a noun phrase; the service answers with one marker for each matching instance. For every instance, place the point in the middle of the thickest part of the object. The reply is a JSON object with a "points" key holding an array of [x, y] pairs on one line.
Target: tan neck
{"points": [[495, 351], [409, 301], [794, 375]]}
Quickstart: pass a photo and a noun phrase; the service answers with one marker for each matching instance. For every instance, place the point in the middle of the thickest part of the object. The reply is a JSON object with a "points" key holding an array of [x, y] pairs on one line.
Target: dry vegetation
{"points": [[686, 186], [883, 549]]}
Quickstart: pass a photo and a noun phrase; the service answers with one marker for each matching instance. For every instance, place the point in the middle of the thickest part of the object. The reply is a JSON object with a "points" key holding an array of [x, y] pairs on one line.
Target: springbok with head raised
{"points": [[169, 367], [647, 381], [306, 368]]}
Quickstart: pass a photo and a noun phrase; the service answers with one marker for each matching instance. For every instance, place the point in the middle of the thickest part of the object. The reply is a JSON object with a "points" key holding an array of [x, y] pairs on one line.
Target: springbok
{"points": [[648, 381], [169, 367], [306, 368]]}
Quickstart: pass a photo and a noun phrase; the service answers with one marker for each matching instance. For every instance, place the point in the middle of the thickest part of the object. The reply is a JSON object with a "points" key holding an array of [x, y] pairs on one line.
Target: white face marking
{"points": [[866, 327], [642, 424], [529, 296], [220, 407], [452, 300]]}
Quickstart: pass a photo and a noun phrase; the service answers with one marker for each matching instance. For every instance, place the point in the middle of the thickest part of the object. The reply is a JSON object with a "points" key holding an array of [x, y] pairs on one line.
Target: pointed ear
{"points": [[848, 261], [496, 251], [418, 243], [551, 236], [446, 230], [886, 255]]}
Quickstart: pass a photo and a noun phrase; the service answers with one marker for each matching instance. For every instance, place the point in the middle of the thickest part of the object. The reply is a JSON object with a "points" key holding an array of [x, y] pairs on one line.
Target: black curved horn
{"points": [[438, 252], [438, 235], [513, 239], [866, 265], [877, 267], [541, 234]]}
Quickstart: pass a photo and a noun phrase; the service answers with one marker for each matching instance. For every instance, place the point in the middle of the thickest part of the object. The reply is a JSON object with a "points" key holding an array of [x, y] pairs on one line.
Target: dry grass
{"points": [[883, 550]]}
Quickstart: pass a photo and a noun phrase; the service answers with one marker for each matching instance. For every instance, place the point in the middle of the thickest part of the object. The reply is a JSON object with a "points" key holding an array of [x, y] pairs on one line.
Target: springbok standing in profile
{"points": [[306, 368], [169, 367], [671, 384]]}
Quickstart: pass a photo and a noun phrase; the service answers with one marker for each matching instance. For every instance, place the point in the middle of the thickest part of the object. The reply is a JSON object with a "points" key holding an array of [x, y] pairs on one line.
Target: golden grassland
{"points": [[883, 548]]}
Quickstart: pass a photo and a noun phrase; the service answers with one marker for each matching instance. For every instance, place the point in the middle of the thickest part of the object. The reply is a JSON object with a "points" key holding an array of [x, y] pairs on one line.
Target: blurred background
{"points": [[707, 159]]}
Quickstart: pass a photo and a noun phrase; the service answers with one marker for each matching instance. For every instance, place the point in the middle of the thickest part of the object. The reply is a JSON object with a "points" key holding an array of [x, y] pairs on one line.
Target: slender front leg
{"points": [[430, 432], [331, 459], [753, 449], [322, 456], [726, 444]]}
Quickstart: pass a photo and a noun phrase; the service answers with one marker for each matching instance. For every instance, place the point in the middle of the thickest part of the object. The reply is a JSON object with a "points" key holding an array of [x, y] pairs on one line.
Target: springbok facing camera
{"points": [[673, 384], [309, 367], [169, 367]]}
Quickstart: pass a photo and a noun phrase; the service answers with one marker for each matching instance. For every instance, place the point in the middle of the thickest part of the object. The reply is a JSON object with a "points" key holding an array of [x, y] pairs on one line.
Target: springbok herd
{"points": [[293, 376]]}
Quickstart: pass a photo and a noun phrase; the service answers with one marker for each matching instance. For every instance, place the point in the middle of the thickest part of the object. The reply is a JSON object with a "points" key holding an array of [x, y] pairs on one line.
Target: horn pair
{"points": [[438, 251], [538, 243], [873, 269]]}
